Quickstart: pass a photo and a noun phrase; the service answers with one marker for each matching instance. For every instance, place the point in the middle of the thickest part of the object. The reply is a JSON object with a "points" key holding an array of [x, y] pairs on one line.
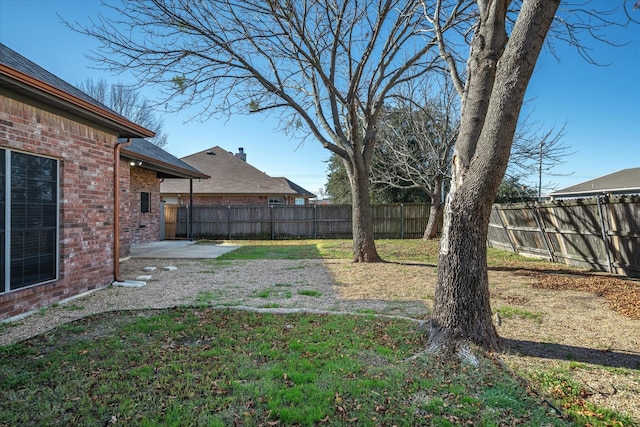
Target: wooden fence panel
{"points": [[416, 218], [293, 222], [211, 221], [523, 229], [623, 224], [395, 221], [250, 222], [387, 221], [333, 221], [575, 233], [600, 233], [498, 235]]}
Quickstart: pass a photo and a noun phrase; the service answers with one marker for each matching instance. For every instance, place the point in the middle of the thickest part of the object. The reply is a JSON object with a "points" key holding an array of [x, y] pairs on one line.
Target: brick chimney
{"points": [[241, 154]]}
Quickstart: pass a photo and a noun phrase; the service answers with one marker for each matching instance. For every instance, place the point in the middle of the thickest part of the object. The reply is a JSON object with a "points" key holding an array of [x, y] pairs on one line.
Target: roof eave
{"points": [[631, 190], [155, 164], [23, 83]]}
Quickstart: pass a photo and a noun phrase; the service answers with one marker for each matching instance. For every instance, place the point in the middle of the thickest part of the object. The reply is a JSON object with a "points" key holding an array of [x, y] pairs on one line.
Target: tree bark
{"points": [[462, 309], [437, 207], [499, 73], [364, 247]]}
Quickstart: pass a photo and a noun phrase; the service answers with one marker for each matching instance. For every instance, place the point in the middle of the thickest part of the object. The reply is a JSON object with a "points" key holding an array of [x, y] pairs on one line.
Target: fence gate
{"points": [[170, 221]]}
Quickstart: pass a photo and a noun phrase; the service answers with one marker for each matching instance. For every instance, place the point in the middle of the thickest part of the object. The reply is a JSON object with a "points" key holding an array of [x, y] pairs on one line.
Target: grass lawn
{"points": [[200, 366], [224, 367]]}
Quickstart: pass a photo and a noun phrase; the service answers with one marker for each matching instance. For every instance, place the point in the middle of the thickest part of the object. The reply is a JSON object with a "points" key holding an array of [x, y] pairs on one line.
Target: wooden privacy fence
{"points": [[601, 233], [396, 221]]}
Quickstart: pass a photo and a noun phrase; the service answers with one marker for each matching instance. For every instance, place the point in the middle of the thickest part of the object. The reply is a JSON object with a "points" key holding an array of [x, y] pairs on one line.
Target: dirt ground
{"points": [[583, 323]]}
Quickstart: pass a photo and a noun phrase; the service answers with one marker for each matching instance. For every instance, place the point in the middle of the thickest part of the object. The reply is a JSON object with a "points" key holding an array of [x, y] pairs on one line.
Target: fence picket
{"points": [[394, 221], [575, 232]]}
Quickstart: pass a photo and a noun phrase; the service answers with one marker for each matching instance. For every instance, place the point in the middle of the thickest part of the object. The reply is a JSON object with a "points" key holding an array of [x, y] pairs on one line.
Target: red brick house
{"points": [[233, 182], [59, 155]]}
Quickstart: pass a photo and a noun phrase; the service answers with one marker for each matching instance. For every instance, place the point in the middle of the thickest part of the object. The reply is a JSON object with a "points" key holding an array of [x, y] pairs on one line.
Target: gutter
{"points": [[165, 167], [116, 210], [629, 191], [78, 105]]}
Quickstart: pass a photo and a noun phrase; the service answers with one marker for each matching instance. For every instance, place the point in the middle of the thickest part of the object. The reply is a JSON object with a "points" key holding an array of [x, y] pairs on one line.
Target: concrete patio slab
{"points": [[179, 249]]}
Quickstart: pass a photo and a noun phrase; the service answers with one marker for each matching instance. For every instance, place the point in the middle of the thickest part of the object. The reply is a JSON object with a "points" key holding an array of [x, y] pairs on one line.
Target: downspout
{"points": [[116, 210]]}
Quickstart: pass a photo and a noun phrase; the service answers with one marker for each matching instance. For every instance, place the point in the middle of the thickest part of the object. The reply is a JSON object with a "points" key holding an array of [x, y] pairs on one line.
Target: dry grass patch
{"points": [[388, 281], [553, 318]]}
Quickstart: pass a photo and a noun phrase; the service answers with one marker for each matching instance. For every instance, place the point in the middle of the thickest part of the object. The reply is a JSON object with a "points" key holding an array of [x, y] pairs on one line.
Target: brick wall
{"points": [[86, 171], [144, 227], [125, 209]]}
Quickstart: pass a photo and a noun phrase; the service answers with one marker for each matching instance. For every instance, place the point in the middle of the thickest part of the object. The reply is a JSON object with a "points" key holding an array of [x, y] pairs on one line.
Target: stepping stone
{"points": [[144, 277], [149, 269], [171, 268], [130, 284]]}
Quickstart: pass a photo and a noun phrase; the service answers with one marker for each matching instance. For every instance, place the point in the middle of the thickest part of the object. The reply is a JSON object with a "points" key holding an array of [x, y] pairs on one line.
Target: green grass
{"points": [[424, 252], [390, 250], [273, 250], [508, 312], [199, 366], [309, 293], [204, 298], [273, 292], [558, 383]]}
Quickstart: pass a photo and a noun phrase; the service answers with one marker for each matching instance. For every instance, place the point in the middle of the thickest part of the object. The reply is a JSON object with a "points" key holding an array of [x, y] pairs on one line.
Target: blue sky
{"points": [[600, 104]]}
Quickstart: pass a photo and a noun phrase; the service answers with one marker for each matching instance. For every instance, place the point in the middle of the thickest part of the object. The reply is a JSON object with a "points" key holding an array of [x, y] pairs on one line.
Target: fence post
{"points": [[552, 257], [315, 223], [190, 210], [229, 221], [272, 222], [603, 232], [402, 220]]}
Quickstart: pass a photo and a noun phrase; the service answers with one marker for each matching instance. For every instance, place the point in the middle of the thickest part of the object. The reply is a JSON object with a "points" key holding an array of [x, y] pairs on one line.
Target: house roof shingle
{"points": [[18, 74], [229, 175], [626, 181], [155, 158], [295, 187]]}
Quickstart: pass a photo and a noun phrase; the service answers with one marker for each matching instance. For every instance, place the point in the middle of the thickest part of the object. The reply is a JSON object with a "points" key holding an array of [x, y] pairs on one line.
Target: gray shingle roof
{"points": [[626, 181], [16, 61], [229, 175], [295, 187], [18, 74], [155, 158]]}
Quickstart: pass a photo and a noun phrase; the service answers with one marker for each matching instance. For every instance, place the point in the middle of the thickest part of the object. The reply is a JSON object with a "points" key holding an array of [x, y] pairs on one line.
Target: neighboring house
{"points": [[59, 157], [233, 182], [622, 183]]}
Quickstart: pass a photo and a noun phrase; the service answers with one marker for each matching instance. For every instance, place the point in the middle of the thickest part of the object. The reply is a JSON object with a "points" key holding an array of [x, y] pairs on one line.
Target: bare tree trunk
{"points": [[435, 213], [461, 307], [499, 73], [364, 247], [431, 232]]}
